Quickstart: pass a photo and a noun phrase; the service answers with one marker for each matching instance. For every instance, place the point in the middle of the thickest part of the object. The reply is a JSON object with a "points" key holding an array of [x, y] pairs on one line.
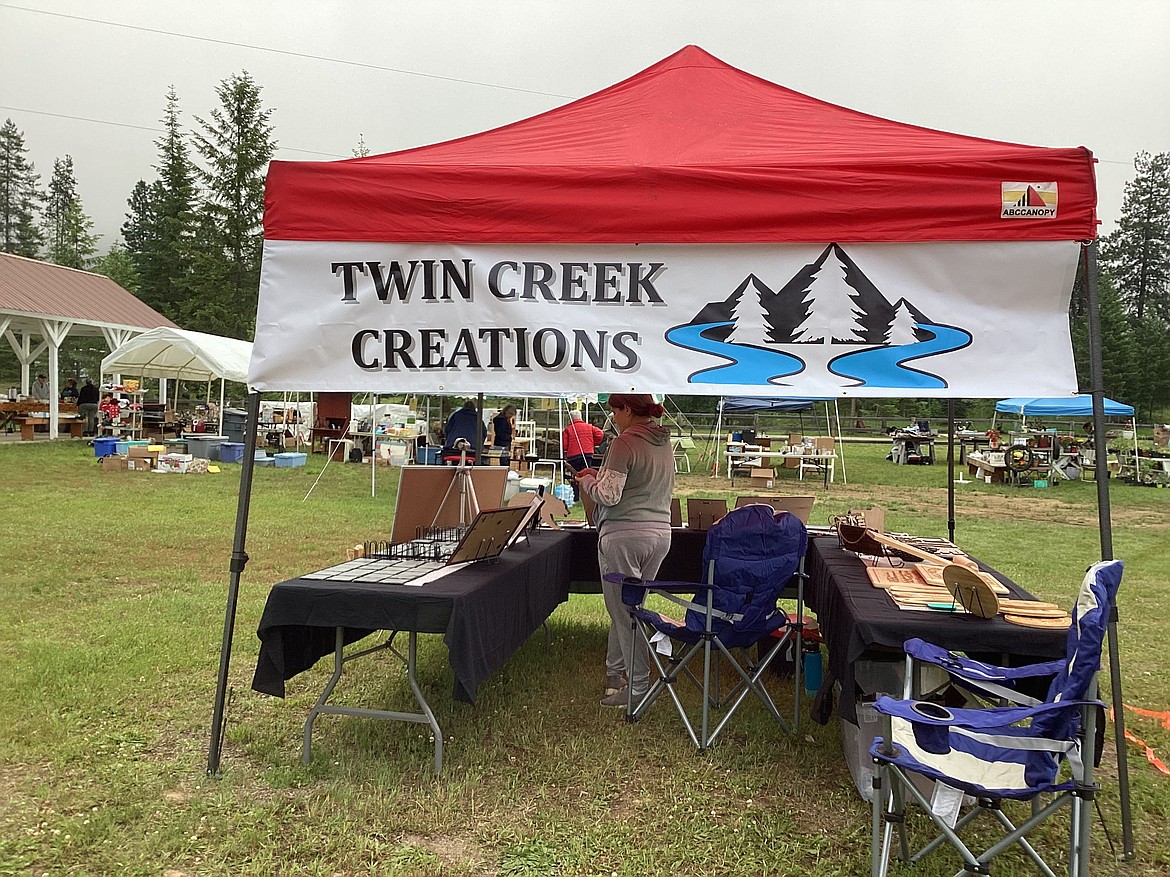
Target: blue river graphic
{"points": [[886, 366], [872, 367], [748, 365]]}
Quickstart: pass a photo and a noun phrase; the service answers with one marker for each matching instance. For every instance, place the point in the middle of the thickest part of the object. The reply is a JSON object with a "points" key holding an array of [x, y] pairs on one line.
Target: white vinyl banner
{"points": [[963, 320]]}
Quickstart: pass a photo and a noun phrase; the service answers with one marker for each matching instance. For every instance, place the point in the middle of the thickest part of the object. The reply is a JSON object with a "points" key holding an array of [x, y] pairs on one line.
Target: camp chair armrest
{"points": [[634, 590], [927, 713], [976, 671], [618, 578]]}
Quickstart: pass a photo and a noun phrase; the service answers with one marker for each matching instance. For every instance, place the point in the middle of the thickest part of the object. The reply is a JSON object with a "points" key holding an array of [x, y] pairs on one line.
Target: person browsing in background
{"points": [[464, 424], [69, 394], [578, 442], [503, 428], [87, 406], [109, 407], [632, 491], [40, 389]]}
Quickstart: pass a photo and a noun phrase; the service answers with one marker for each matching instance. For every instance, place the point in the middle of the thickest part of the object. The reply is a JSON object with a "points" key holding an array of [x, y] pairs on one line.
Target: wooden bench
{"points": [[31, 425]]}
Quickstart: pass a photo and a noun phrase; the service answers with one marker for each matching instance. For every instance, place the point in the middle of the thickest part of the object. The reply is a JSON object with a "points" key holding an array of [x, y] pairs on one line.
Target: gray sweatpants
{"points": [[633, 553]]}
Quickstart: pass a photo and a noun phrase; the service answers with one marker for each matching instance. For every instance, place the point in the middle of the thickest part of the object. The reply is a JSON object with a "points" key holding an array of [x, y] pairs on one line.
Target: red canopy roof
{"points": [[689, 150]]}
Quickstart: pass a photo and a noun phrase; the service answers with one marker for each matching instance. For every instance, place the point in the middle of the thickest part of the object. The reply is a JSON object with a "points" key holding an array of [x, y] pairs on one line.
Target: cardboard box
{"points": [[140, 457], [765, 478], [113, 463], [175, 462]]}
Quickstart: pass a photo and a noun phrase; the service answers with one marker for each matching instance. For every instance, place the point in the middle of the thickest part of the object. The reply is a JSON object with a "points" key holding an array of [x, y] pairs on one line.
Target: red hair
{"points": [[638, 404]]}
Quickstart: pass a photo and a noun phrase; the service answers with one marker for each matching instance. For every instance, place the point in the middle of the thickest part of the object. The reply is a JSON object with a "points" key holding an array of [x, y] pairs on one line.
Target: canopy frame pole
{"points": [[951, 470], [373, 443], [840, 439], [238, 562], [1101, 459], [716, 441]]}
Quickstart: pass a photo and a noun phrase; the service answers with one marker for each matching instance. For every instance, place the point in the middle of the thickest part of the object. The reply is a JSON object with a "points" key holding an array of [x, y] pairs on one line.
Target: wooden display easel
{"points": [[430, 500]]}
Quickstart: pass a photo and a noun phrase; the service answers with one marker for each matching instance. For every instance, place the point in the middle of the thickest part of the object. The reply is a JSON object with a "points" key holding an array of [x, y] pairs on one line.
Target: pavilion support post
{"points": [[238, 562], [1101, 459]]}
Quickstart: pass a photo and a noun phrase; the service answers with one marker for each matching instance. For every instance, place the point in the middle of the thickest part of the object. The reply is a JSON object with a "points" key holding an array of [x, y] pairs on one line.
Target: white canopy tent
{"points": [[179, 354]]}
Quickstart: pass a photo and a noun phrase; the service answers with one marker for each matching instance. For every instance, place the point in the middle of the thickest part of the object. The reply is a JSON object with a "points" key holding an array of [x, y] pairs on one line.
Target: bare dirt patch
{"points": [[456, 852]]}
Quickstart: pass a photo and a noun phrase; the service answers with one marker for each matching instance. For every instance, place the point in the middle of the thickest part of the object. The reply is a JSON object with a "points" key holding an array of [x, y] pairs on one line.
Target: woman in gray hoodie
{"points": [[632, 491]]}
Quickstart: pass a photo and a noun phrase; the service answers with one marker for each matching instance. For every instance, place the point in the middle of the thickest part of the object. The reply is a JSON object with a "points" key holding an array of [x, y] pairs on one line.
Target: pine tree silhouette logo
{"points": [[829, 319], [1028, 200]]}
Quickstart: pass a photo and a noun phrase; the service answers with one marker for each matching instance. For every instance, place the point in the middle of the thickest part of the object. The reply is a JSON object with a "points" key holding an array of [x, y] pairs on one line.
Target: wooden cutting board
{"points": [[1032, 621], [888, 576]]}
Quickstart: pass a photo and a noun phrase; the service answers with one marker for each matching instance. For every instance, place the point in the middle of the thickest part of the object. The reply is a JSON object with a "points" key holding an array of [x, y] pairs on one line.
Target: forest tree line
{"points": [[191, 242]]}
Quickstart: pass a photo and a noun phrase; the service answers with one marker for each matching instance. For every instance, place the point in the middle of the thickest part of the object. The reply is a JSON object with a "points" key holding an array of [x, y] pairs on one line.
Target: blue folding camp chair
{"points": [[1000, 753], [752, 556]]}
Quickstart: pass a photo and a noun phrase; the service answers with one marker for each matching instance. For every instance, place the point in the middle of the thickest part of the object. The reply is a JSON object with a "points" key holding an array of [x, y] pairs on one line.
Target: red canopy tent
{"points": [[707, 163], [690, 150]]}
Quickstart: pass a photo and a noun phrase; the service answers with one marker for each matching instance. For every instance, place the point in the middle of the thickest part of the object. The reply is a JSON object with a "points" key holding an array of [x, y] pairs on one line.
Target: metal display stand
{"points": [[465, 487]]}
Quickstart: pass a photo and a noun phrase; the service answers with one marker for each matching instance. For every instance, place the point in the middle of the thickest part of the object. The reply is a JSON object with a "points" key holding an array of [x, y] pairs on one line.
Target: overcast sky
{"points": [[89, 78]]}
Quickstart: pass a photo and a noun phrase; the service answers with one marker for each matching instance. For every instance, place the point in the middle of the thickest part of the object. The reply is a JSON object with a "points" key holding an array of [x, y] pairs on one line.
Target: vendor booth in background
{"points": [[182, 355], [1043, 456], [757, 454]]}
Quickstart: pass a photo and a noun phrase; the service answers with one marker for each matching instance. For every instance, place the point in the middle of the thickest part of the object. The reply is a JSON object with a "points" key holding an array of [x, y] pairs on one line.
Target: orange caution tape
{"points": [[1152, 757]]}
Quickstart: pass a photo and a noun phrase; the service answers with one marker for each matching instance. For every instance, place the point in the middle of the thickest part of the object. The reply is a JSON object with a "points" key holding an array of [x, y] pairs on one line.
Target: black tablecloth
{"points": [[858, 619], [684, 562], [485, 612]]}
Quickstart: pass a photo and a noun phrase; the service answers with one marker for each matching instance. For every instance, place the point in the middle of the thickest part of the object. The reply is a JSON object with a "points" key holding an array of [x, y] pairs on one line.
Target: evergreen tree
{"points": [[159, 228], [19, 195], [904, 325], [174, 203], [1119, 352], [140, 230], [119, 267], [1151, 366], [361, 150], [750, 315], [236, 144], [1137, 254], [70, 240], [833, 314]]}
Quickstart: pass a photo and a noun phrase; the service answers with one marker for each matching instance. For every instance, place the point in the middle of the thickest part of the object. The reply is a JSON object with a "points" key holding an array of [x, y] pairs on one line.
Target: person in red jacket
{"points": [[578, 442]]}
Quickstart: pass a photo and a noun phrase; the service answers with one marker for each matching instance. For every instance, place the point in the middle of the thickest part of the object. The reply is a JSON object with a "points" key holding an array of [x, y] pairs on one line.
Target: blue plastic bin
{"points": [[231, 452], [428, 456], [104, 447], [290, 460]]}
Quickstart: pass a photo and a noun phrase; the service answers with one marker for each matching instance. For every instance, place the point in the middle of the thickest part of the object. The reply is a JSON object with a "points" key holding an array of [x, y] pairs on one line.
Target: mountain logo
{"points": [[1027, 200], [828, 318]]}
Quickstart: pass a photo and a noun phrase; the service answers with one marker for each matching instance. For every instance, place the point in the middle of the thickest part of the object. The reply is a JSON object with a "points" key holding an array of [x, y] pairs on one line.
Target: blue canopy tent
{"points": [[734, 404], [762, 403], [1068, 406]]}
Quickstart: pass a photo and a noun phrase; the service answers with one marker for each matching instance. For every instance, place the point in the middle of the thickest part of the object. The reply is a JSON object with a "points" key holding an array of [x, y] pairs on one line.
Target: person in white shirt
{"points": [[40, 389]]}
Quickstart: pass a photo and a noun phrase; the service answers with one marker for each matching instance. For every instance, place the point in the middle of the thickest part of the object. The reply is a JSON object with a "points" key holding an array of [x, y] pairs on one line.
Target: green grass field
{"points": [[113, 590]]}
